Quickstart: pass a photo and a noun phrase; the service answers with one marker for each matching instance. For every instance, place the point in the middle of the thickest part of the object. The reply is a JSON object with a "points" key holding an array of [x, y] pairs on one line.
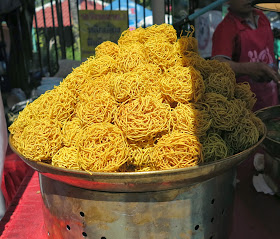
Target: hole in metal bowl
{"points": [[103, 237], [223, 211], [68, 227], [212, 237], [212, 201], [82, 214], [196, 227], [84, 234], [212, 219]]}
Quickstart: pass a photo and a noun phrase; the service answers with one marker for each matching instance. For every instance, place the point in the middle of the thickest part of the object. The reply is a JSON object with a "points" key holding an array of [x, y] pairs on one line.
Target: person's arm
{"points": [[258, 71]]}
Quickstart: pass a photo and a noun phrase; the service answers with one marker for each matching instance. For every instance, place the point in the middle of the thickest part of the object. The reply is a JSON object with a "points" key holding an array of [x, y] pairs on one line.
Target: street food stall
{"points": [[143, 140], [140, 147]]}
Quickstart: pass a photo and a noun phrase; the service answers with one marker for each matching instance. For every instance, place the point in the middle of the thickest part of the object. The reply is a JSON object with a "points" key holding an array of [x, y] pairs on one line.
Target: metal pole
{"points": [[46, 37], [38, 43], [206, 9], [54, 35], [144, 6], [71, 29], [158, 12]]}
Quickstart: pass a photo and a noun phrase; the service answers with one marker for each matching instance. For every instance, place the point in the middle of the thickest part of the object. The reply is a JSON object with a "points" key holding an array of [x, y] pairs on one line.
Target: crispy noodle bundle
{"points": [[89, 70], [221, 67], [102, 147], [151, 73], [191, 58], [93, 87], [207, 67], [67, 157], [130, 56], [182, 84], [27, 115], [243, 92], [62, 110], [244, 135], [101, 66], [163, 31], [176, 150], [73, 82], [44, 108], [188, 43], [214, 148], [239, 106], [191, 118], [160, 52], [129, 37], [258, 123], [141, 158], [97, 108], [224, 114], [220, 84], [129, 85], [70, 131], [143, 118], [39, 140], [107, 48]]}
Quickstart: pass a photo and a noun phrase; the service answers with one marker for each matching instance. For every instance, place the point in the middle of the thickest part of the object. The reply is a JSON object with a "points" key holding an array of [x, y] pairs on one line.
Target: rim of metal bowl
{"points": [[265, 110], [139, 181]]}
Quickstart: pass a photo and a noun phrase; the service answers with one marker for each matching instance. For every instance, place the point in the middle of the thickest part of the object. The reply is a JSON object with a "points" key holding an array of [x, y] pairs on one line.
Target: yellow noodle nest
{"points": [[107, 48], [182, 84], [67, 157], [93, 88], [176, 150], [102, 147], [44, 108], [129, 37], [140, 158], [143, 118], [97, 108], [129, 85], [258, 123], [149, 102], [243, 91], [39, 140], [130, 56], [70, 130], [214, 148], [220, 84], [163, 31], [244, 135], [192, 119], [191, 58], [225, 114], [151, 74], [160, 52]]}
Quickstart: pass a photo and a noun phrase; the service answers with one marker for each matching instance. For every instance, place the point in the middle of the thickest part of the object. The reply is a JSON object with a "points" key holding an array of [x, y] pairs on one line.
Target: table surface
{"points": [[255, 215]]}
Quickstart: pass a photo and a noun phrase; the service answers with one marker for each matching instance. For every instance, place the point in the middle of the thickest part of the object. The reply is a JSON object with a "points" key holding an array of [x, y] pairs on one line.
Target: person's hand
{"points": [[261, 72]]}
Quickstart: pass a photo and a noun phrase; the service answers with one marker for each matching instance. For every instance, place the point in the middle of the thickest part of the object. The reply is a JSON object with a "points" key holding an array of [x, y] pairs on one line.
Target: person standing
{"points": [[244, 39]]}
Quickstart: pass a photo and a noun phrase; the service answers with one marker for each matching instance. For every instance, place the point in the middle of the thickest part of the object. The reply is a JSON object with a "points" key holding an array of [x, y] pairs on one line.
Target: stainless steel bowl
{"points": [[139, 181], [194, 203], [269, 144], [272, 150]]}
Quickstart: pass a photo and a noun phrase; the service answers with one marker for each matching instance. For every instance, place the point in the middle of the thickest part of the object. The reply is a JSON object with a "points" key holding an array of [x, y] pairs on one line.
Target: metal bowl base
{"points": [[199, 211]]}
